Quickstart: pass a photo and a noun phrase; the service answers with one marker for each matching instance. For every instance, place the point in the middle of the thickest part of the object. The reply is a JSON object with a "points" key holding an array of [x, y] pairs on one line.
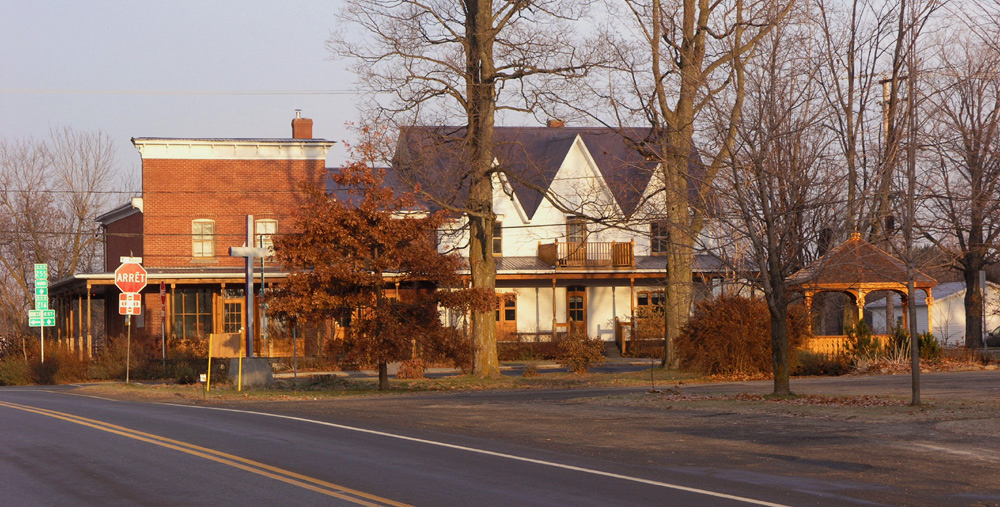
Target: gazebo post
{"points": [[861, 305], [930, 307]]}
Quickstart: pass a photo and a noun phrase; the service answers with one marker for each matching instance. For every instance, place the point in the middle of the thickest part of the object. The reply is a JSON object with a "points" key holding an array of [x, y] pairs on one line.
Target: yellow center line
{"points": [[287, 476]]}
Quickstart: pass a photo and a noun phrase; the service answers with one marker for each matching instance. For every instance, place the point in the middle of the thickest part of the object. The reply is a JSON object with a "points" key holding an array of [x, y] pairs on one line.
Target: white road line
{"points": [[501, 455]]}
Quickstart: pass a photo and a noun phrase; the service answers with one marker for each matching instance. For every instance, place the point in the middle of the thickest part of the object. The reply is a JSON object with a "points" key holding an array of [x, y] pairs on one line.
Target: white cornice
{"points": [[232, 149]]}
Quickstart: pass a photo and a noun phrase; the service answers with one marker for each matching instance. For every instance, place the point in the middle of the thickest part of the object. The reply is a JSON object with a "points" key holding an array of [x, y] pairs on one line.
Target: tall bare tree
{"points": [[678, 66], [964, 183], [780, 184], [50, 192], [448, 62]]}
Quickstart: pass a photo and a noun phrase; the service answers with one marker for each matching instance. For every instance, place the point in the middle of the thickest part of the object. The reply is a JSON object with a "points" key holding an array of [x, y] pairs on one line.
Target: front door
{"points": [[506, 316], [232, 316], [576, 308]]}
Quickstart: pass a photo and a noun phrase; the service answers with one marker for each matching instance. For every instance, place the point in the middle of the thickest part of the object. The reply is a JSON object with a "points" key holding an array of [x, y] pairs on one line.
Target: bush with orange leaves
{"points": [[732, 335]]}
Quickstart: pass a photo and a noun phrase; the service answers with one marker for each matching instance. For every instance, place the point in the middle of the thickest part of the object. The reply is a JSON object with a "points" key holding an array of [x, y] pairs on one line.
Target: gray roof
{"points": [[943, 290], [703, 263], [235, 139], [432, 157]]}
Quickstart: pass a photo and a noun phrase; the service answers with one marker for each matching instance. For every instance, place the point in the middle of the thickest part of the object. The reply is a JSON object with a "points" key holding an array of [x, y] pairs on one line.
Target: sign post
{"points": [[249, 253], [41, 317], [130, 278], [163, 320]]}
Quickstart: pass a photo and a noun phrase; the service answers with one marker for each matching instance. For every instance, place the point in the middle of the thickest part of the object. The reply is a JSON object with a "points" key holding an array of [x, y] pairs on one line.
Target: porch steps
{"points": [[611, 350]]}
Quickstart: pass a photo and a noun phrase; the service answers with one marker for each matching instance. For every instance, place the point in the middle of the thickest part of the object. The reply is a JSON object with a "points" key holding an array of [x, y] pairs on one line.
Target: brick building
{"points": [[196, 196]]}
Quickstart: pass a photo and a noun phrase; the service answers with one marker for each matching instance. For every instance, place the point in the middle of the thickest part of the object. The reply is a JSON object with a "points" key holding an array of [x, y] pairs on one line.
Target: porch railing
{"points": [[588, 254]]}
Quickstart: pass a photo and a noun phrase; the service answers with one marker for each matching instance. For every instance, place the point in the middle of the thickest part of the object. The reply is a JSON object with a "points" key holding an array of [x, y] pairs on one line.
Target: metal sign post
{"points": [[41, 317], [249, 253]]}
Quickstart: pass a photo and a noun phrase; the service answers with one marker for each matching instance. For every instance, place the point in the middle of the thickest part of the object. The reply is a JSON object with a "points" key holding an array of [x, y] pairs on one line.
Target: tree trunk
{"points": [[973, 301], [480, 75], [383, 376], [779, 343]]}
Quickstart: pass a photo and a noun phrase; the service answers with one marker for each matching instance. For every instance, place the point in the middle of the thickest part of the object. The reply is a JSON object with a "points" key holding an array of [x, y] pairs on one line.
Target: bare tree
{"points": [[964, 183], [445, 63], [50, 192], [780, 184], [678, 64]]}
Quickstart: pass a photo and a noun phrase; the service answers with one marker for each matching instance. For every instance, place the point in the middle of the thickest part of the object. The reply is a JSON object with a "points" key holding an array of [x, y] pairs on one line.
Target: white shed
{"points": [[948, 312]]}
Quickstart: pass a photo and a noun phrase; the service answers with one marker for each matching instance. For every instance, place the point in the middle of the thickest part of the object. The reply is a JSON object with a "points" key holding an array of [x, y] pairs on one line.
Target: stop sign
{"points": [[130, 277]]}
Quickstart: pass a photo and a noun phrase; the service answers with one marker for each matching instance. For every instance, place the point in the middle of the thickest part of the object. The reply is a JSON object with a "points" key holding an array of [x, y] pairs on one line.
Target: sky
{"points": [[181, 68]]}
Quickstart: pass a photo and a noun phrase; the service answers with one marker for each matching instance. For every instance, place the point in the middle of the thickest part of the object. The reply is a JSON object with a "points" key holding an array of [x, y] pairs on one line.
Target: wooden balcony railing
{"points": [[588, 254]]}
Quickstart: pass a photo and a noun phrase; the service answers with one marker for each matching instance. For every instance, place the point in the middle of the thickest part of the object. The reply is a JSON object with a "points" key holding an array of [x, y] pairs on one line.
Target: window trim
{"points": [[265, 239], [659, 244], [576, 229], [202, 239], [498, 238]]}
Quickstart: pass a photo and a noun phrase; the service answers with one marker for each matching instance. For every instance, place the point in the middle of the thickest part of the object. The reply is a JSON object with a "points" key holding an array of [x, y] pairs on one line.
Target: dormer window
{"points": [[497, 238], [659, 238], [576, 230]]}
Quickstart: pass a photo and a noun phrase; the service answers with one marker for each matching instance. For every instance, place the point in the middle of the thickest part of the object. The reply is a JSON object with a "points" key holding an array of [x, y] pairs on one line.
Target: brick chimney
{"points": [[554, 123], [302, 128]]}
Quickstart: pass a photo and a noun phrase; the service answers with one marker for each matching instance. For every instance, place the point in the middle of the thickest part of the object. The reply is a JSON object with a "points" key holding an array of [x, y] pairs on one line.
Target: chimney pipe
{"points": [[555, 123], [302, 128]]}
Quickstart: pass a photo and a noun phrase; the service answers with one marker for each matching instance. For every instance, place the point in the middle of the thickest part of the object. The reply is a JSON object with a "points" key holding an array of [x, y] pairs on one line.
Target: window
{"points": [[497, 238], [192, 313], [576, 230], [659, 238], [264, 231], [576, 299], [507, 308], [649, 298], [203, 238]]}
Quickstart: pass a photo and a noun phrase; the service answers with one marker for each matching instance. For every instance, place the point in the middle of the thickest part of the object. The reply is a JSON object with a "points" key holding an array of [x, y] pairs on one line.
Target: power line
{"points": [[99, 91]]}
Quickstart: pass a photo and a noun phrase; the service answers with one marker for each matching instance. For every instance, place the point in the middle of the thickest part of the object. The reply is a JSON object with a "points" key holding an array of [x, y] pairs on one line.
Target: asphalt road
{"points": [[58, 448]]}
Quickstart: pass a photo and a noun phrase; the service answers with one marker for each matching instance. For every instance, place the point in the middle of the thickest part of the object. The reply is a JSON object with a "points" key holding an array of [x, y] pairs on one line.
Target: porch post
{"points": [[861, 305], [553, 309], [90, 325]]}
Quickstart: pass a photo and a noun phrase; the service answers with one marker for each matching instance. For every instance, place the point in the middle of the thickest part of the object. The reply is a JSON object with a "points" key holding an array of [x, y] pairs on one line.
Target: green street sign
{"points": [[48, 314], [42, 304], [41, 271], [49, 322], [42, 282], [41, 291], [34, 314], [35, 322]]}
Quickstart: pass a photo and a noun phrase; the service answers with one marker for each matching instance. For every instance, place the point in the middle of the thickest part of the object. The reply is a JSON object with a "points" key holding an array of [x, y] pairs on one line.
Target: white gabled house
{"points": [[577, 242]]}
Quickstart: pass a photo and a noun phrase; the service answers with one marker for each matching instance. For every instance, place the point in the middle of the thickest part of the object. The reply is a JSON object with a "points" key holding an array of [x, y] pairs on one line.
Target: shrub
{"points": [[860, 344], [811, 364], [411, 369], [579, 352], [14, 371], [530, 371], [928, 347], [732, 335]]}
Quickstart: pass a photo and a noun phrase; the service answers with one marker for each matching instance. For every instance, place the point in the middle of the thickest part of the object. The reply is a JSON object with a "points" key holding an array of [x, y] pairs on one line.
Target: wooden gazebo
{"points": [[857, 268]]}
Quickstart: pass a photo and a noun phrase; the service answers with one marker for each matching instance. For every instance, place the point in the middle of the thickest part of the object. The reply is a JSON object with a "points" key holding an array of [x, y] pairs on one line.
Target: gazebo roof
{"points": [[857, 263]]}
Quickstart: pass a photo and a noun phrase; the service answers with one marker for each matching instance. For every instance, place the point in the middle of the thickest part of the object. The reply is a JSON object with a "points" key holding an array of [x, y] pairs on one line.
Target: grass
{"points": [[327, 386]]}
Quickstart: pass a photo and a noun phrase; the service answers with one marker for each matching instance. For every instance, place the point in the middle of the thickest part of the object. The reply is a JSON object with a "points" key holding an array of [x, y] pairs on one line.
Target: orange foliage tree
{"points": [[365, 252]]}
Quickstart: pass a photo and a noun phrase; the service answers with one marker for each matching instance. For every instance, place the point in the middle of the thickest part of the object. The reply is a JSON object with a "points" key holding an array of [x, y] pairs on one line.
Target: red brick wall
{"points": [[123, 238], [175, 192]]}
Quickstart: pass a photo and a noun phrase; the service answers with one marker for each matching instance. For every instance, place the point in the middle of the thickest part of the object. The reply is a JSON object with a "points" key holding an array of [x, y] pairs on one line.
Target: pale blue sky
{"points": [[135, 69]]}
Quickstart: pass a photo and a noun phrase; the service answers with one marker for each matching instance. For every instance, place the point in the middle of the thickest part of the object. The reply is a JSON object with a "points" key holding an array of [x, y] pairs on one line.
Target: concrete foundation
{"points": [[256, 371]]}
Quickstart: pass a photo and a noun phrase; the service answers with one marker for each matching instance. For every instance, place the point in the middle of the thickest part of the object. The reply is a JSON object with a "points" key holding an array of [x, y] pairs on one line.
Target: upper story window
{"points": [[497, 238], [659, 238], [203, 238], [576, 230], [264, 231]]}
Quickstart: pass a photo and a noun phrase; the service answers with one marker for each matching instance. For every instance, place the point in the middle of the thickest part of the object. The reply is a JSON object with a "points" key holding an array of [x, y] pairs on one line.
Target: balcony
{"points": [[588, 254]]}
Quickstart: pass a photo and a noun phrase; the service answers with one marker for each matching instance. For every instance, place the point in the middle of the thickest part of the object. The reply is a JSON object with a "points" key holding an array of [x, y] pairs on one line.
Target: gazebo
{"points": [[856, 268]]}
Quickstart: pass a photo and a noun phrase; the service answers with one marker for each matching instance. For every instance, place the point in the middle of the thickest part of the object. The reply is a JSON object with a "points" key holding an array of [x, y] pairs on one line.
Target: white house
{"points": [[948, 313], [556, 269]]}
